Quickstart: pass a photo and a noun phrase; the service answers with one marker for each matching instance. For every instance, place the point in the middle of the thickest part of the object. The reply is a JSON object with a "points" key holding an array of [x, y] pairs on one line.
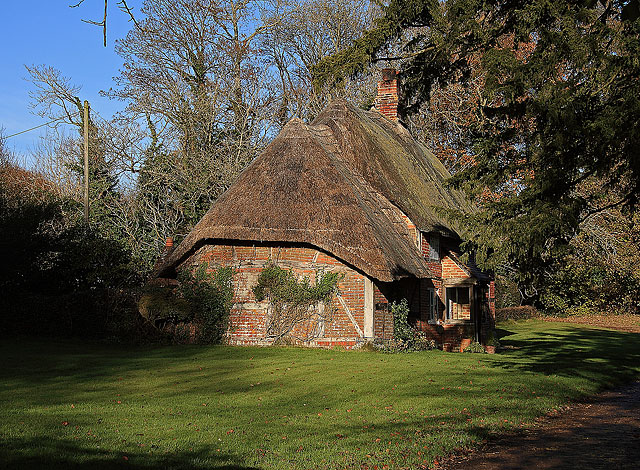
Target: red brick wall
{"points": [[434, 266], [248, 321], [457, 334], [451, 269]]}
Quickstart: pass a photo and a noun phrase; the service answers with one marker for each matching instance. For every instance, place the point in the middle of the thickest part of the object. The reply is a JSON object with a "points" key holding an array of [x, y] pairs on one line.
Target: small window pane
{"points": [[431, 304], [458, 307], [463, 295], [434, 247]]}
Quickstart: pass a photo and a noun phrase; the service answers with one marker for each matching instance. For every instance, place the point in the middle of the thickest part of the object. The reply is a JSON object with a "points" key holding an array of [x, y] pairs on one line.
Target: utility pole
{"points": [[86, 161]]}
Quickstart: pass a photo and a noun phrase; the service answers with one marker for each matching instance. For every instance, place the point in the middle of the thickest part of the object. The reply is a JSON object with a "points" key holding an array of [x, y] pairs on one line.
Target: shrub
{"points": [[197, 310], [402, 331], [161, 305], [419, 343], [422, 343], [492, 340], [587, 308], [507, 293], [97, 314], [406, 338], [474, 347], [583, 283], [210, 296]]}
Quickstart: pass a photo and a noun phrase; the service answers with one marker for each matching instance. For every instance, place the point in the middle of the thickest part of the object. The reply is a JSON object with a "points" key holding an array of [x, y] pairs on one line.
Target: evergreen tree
{"points": [[560, 107]]}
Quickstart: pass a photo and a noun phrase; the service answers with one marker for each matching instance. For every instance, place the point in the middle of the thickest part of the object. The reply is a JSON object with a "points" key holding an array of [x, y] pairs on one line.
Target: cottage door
{"points": [[476, 313]]}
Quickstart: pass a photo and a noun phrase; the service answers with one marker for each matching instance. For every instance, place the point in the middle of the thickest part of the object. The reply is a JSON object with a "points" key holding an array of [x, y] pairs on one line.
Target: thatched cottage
{"points": [[351, 192]]}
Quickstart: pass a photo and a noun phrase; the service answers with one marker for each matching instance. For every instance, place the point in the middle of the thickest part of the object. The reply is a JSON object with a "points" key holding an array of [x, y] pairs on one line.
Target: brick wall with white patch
{"points": [[248, 319]]}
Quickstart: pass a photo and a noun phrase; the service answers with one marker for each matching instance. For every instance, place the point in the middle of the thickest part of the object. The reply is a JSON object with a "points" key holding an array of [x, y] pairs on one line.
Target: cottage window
{"points": [[432, 303], [458, 305], [434, 247]]}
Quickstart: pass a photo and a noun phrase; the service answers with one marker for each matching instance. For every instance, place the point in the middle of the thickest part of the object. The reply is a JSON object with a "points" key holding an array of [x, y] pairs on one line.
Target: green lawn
{"points": [[65, 404]]}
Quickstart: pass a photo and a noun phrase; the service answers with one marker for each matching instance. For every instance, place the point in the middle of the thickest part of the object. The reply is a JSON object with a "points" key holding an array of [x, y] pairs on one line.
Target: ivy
{"points": [[401, 328], [296, 301]]}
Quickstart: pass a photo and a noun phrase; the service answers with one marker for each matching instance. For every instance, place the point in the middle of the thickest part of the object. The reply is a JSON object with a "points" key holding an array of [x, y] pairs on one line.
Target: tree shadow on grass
{"points": [[608, 356], [50, 362], [50, 453], [570, 351]]}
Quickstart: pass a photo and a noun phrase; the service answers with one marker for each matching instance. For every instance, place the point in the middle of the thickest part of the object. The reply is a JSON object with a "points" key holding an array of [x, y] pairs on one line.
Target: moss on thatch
{"points": [[397, 166]]}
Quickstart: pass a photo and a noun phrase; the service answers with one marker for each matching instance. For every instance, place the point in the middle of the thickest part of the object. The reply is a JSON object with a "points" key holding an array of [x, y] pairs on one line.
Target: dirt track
{"points": [[602, 433]]}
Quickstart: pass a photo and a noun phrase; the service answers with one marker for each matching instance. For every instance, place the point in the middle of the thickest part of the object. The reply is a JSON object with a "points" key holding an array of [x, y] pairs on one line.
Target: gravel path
{"points": [[603, 433]]}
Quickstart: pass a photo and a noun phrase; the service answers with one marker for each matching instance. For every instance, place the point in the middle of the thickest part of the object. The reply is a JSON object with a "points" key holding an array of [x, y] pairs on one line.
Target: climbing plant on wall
{"points": [[296, 302]]}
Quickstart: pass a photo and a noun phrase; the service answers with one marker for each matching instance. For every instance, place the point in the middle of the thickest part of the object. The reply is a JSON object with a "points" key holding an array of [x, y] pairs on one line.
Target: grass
{"points": [[65, 404]]}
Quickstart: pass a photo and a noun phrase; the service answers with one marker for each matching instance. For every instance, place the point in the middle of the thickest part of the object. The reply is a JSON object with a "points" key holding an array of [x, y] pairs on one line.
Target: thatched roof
{"points": [[395, 164], [334, 184]]}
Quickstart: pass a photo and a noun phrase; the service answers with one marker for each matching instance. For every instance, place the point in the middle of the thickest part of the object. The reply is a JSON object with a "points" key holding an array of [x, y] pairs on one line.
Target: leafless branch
{"points": [[124, 7], [102, 23]]}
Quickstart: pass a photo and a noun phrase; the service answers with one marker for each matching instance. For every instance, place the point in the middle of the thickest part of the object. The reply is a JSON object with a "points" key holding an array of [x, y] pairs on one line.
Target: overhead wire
{"points": [[41, 125]]}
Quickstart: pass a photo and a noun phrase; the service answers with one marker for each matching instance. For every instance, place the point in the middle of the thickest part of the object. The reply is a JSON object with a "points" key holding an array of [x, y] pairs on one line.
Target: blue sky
{"points": [[34, 32]]}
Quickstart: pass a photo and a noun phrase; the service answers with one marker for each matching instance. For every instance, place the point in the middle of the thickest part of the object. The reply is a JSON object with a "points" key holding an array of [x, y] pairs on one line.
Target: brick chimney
{"points": [[166, 251], [386, 101], [168, 247]]}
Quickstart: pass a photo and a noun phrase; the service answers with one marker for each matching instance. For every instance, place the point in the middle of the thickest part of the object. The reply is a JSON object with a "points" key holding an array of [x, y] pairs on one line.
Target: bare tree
{"points": [[192, 74], [6, 156], [54, 96], [313, 30], [122, 5], [206, 84], [444, 124], [55, 156]]}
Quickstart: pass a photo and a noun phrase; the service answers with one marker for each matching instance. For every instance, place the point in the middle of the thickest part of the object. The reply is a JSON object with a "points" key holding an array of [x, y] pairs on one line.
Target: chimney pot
{"points": [[168, 249], [389, 74]]}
